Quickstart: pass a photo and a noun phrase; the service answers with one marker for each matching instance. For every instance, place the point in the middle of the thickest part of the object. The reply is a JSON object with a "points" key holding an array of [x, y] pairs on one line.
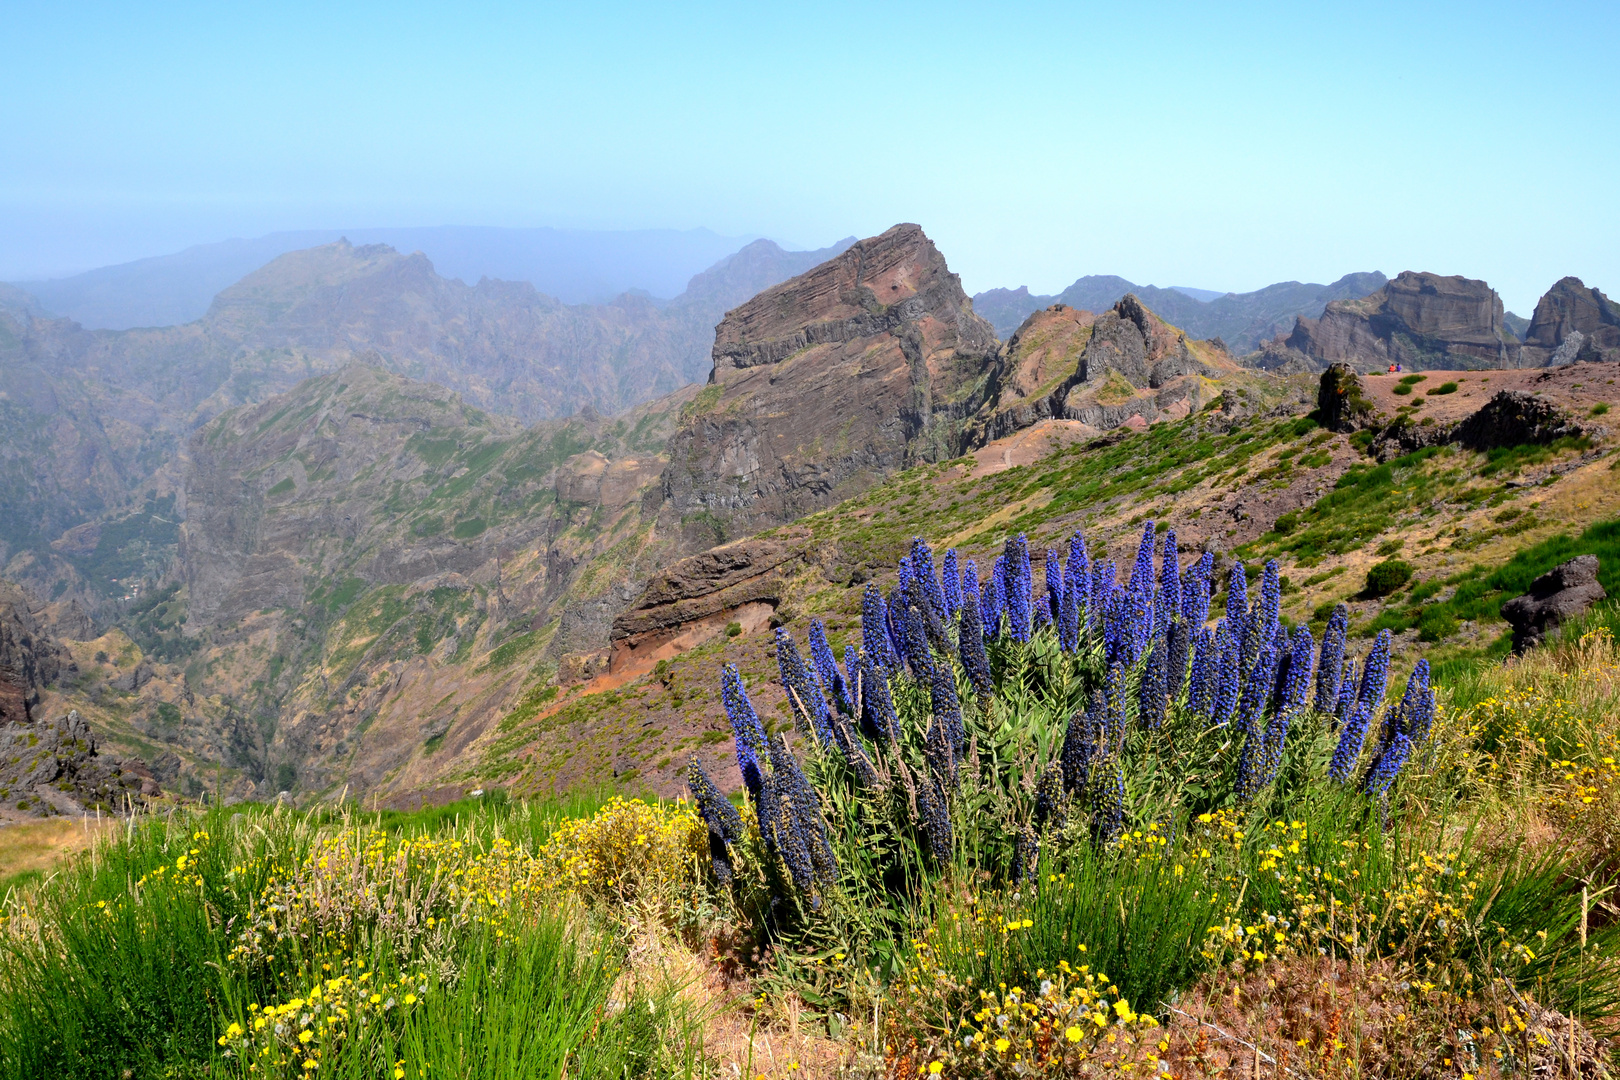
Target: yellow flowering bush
{"points": [[293, 1038], [627, 851], [1070, 1016]]}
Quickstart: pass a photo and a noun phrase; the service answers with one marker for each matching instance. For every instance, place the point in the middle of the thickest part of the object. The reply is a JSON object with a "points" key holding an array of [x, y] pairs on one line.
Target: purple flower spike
{"points": [[747, 732], [951, 585], [821, 655], [1017, 588]]}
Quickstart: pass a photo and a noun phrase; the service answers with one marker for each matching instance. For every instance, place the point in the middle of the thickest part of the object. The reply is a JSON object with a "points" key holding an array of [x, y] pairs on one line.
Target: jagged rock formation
{"points": [[1573, 322], [1560, 594], [30, 659], [867, 364], [1418, 320], [1513, 417], [55, 767], [1125, 365], [1241, 320]]}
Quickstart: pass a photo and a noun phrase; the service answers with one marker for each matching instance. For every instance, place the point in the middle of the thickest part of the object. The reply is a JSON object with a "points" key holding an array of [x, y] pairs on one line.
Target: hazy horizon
{"points": [[1169, 144]]}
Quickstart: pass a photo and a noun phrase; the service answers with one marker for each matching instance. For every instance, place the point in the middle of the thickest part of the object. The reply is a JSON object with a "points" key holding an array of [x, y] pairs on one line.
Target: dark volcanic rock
{"points": [[827, 383], [1570, 313], [54, 767], [1341, 403], [1417, 320], [1513, 417], [1556, 596], [29, 659]]}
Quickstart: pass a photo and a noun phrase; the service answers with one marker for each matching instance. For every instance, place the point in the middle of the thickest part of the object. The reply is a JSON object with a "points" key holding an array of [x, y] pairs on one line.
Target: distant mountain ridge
{"points": [[87, 417], [576, 266], [1241, 320]]}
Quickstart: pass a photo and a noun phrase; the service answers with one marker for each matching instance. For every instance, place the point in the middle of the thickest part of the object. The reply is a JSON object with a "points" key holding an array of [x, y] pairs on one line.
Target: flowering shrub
{"points": [[627, 851], [980, 725]]}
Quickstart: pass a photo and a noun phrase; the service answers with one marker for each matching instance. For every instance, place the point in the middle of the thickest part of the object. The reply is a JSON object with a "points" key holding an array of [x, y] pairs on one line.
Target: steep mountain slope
{"points": [[1241, 320], [362, 564]]}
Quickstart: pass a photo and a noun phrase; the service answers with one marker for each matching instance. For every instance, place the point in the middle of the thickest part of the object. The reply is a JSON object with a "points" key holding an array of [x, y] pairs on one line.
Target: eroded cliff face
{"points": [[30, 659], [1418, 320], [1573, 322], [823, 385]]}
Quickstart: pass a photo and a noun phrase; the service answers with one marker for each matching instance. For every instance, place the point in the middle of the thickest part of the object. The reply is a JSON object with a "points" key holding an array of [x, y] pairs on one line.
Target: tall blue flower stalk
{"points": [[747, 732], [1202, 681], [1346, 701], [1252, 708], [1375, 673], [1169, 602], [1142, 569], [993, 602], [725, 825], [1076, 571], [1351, 738], [951, 584], [1330, 664], [922, 568], [1151, 709], [1228, 672], [875, 628], [947, 706], [805, 698], [1018, 588], [970, 647], [821, 655], [878, 717], [1054, 586], [1237, 601]]}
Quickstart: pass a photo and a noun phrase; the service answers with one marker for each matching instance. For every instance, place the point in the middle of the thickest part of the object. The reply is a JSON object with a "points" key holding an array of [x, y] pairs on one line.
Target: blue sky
{"points": [[1219, 146]]}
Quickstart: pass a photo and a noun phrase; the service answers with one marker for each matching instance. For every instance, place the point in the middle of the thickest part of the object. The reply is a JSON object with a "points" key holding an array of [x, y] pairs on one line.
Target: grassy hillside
{"points": [[1255, 480]]}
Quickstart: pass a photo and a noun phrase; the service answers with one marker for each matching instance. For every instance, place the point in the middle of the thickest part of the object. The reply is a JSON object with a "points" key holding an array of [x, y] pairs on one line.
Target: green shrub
{"points": [[1600, 409], [1387, 576], [1443, 388]]}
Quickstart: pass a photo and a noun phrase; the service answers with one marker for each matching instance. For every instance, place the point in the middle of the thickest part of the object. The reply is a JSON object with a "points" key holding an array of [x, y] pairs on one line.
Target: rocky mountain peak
{"points": [[1418, 320], [874, 286], [859, 367], [1570, 309], [1455, 309]]}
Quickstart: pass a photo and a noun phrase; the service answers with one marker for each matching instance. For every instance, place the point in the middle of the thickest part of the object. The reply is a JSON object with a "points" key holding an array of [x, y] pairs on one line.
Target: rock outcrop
{"points": [[1418, 320], [1573, 322], [30, 659], [1341, 404], [1555, 597], [865, 365], [1125, 365], [1513, 417], [55, 767], [695, 599]]}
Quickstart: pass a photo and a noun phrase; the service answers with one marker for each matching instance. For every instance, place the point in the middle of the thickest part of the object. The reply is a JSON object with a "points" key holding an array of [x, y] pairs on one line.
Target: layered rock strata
{"points": [[865, 365], [1418, 320]]}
